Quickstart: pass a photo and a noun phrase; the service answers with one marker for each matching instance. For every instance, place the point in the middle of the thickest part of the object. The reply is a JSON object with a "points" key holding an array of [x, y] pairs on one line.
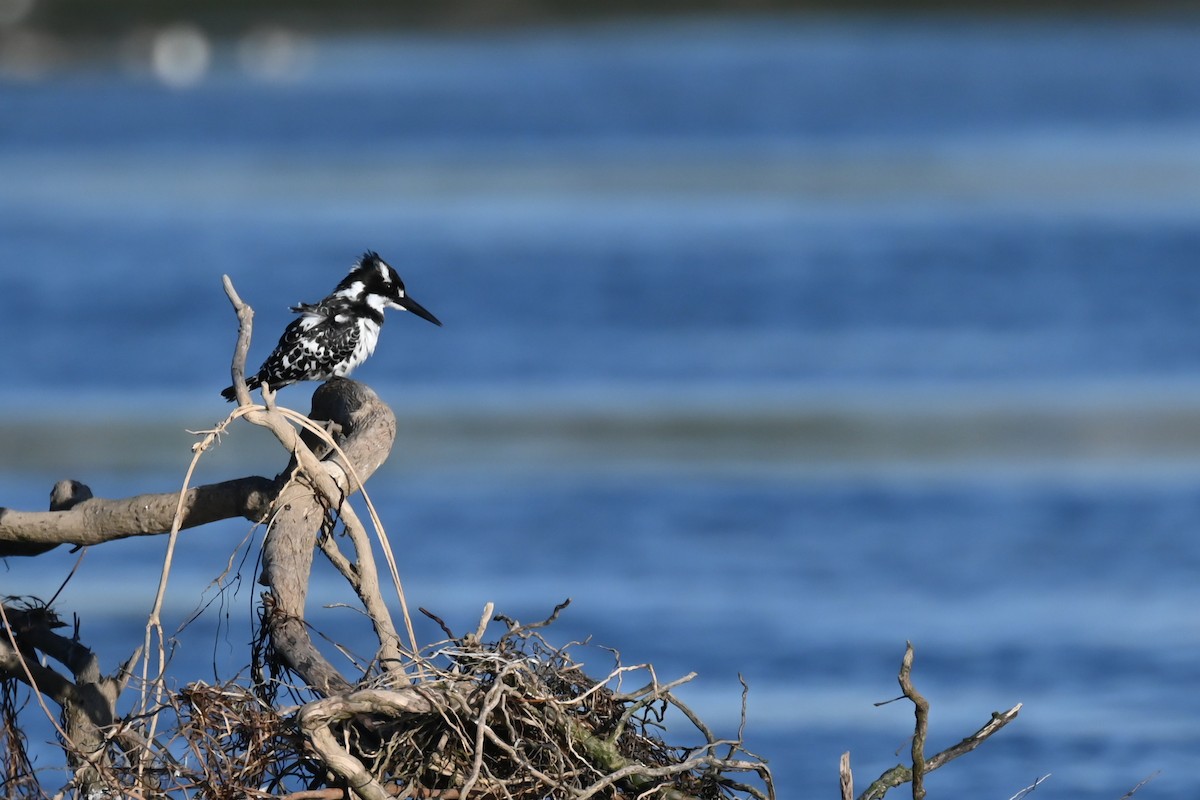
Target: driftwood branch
{"points": [[318, 719], [921, 712], [901, 774], [96, 520], [87, 698]]}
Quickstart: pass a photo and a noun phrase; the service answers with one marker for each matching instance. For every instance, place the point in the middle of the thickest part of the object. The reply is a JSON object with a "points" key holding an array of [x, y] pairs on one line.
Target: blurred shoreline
{"points": [[86, 18], [176, 40], [1091, 431]]}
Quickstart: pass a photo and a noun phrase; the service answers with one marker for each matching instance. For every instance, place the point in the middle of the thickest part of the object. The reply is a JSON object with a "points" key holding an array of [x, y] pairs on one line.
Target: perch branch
{"points": [[245, 315], [366, 428], [360, 405]]}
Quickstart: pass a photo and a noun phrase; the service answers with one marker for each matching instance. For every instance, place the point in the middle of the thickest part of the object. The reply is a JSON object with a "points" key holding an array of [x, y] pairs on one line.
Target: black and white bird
{"points": [[332, 337]]}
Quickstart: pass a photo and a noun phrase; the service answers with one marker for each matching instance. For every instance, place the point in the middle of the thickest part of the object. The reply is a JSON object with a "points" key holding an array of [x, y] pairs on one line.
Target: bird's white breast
{"points": [[368, 337]]}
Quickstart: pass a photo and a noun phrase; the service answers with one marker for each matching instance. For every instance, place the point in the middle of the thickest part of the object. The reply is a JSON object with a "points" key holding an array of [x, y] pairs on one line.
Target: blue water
{"points": [[773, 344]]}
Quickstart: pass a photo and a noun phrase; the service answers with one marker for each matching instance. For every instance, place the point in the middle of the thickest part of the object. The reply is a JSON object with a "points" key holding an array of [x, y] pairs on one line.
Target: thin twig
{"points": [[1026, 791], [1140, 784], [441, 622], [654, 695]]}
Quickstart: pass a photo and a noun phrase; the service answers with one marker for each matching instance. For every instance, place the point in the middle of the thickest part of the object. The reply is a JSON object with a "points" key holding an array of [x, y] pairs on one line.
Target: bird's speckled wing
{"points": [[322, 336]]}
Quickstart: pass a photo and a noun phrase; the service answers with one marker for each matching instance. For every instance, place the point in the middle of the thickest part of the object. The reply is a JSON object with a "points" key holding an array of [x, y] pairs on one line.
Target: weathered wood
{"points": [[88, 699], [95, 520], [364, 428], [316, 720]]}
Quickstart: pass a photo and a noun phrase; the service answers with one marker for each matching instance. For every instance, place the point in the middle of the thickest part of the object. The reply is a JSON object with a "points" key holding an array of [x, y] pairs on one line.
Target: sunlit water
{"points": [[772, 345]]}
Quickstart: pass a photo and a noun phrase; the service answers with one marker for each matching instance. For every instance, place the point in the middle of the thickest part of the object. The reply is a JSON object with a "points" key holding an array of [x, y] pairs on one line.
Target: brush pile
{"points": [[515, 718]]}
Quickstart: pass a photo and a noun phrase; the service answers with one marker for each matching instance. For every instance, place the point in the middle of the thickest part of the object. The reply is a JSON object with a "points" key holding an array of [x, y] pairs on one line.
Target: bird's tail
{"points": [[230, 395]]}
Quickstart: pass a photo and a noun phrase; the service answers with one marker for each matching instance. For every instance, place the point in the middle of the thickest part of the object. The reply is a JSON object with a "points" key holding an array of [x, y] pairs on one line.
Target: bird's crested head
{"points": [[373, 281]]}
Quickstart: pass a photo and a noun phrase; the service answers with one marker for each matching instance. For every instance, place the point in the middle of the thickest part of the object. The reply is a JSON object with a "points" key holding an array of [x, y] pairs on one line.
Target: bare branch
{"points": [[88, 700], [1029, 789], [245, 315], [1139, 785], [921, 711], [901, 774], [365, 434], [99, 520], [316, 720], [998, 721]]}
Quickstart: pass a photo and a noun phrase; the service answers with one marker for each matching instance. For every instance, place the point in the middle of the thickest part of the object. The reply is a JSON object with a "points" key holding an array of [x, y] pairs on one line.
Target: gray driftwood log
{"points": [[364, 429], [92, 520]]}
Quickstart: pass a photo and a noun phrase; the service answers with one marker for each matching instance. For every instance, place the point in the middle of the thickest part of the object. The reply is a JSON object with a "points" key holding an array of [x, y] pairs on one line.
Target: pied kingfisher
{"points": [[334, 336]]}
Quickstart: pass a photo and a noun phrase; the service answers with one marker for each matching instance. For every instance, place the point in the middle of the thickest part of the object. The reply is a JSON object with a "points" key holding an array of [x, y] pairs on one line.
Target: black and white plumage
{"points": [[332, 337]]}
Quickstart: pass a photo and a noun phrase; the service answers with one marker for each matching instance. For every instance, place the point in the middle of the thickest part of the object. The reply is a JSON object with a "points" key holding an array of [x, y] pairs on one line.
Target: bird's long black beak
{"points": [[408, 304]]}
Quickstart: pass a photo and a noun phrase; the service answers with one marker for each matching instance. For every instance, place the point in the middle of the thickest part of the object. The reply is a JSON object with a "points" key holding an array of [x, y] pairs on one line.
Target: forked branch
{"points": [[915, 773]]}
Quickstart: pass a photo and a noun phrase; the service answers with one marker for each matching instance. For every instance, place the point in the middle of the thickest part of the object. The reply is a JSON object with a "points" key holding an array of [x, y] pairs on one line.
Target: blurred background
{"points": [[772, 338]]}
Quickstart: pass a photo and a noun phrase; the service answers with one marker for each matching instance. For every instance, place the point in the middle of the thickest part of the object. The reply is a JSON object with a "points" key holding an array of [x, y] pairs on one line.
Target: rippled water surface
{"points": [[772, 344]]}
